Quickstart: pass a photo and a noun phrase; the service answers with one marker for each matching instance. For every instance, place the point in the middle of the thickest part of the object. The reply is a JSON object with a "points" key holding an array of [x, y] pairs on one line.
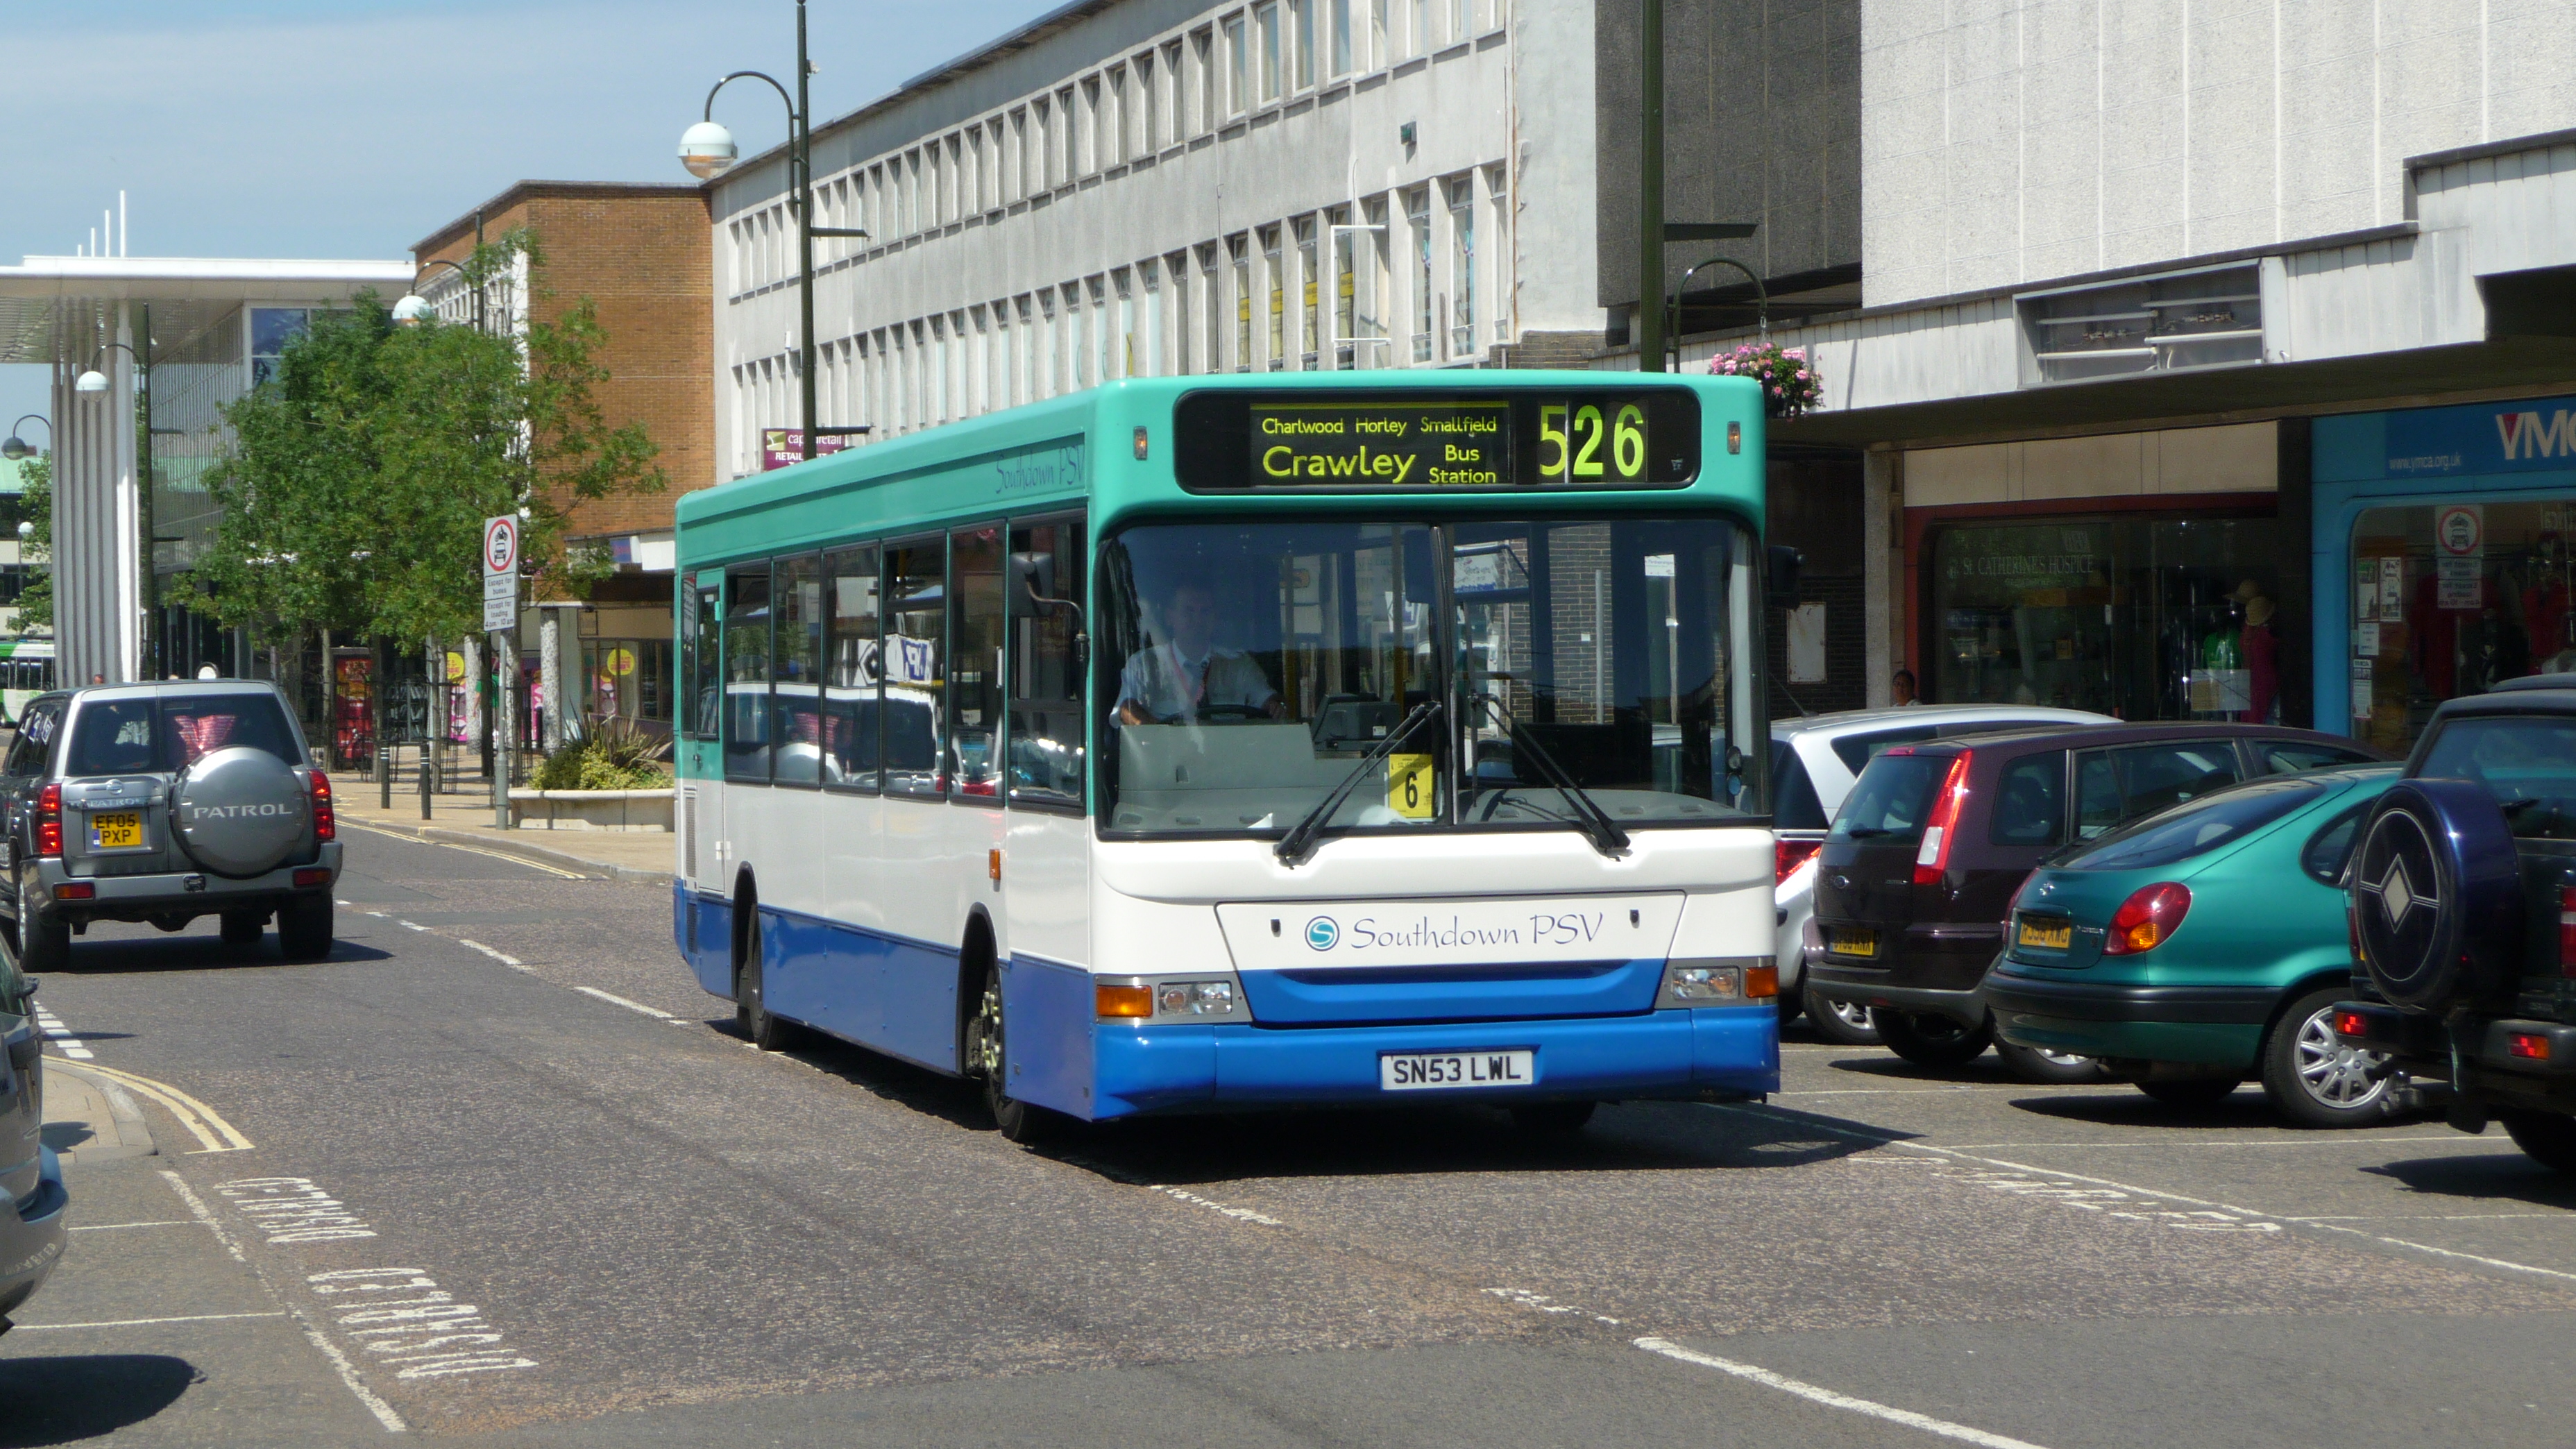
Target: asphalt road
{"points": [[511, 1179]]}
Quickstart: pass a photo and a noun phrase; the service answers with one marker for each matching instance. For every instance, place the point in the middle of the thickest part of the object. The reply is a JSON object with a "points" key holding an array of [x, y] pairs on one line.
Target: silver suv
{"points": [[163, 803]]}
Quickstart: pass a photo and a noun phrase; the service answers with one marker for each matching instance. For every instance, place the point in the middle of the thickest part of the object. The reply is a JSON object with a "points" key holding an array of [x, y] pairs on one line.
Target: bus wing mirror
{"points": [[1780, 578]]}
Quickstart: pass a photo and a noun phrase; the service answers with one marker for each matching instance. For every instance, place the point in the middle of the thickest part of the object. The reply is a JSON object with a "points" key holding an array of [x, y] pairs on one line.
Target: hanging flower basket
{"points": [[1789, 382]]}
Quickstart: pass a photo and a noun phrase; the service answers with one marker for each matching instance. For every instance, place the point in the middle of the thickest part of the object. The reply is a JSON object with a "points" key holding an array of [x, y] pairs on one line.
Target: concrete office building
{"points": [[2151, 291], [1153, 187]]}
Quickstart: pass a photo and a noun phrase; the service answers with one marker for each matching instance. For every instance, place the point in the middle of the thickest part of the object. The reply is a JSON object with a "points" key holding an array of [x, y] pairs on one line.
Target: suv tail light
{"points": [[325, 825], [2567, 931], [1933, 860], [2146, 919], [49, 822], [1788, 855]]}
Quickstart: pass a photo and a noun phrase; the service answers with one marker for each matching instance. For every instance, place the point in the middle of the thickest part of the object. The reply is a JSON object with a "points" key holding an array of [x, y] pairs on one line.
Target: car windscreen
{"points": [[1892, 799], [2193, 829], [2527, 762], [135, 736]]}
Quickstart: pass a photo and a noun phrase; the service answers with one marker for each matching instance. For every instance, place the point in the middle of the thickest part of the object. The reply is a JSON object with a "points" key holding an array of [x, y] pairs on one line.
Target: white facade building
{"points": [[1131, 188]]}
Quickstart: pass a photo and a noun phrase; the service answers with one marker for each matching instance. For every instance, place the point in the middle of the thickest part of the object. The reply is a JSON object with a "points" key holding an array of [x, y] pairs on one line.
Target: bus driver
{"points": [[1187, 672]]}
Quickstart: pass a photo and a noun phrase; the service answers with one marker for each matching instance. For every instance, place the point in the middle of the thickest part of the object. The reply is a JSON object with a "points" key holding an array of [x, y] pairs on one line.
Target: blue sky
{"points": [[352, 128]]}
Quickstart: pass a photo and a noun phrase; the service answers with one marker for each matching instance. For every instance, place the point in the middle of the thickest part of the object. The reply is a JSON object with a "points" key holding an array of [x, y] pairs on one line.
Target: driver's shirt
{"points": [[1167, 684]]}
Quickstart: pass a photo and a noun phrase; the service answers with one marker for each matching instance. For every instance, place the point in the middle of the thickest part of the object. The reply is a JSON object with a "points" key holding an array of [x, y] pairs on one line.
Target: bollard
{"points": [[428, 767]]}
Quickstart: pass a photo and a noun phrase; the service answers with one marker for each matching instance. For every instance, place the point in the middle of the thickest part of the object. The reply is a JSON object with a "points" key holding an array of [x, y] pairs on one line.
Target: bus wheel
{"points": [[750, 1006], [1553, 1119], [987, 1053]]}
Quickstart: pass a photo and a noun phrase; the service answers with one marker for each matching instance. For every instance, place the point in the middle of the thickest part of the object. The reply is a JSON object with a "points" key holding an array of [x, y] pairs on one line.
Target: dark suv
{"points": [[163, 803], [1913, 885], [2462, 898]]}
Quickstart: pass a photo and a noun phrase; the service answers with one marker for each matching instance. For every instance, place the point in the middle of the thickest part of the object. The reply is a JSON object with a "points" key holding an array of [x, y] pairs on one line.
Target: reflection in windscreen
{"points": [[1248, 668], [2528, 763], [2196, 828]]}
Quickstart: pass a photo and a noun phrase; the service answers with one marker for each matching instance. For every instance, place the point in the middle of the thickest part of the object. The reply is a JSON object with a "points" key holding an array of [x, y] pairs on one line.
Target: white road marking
{"points": [[2564, 1217], [1193, 1199], [103, 1227], [2505, 1263], [61, 1035], [204, 1123], [424, 1331], [1544, 1304], [513, 962], [614, 999], [140, 1322], [293, 1210], [468, 849], [1831, 1399], [2339, 1139], [384, 1412], [411, 925]]}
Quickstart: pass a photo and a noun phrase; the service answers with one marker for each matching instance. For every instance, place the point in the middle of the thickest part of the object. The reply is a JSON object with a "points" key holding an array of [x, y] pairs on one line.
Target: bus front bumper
{"points": [[1718, 1053]]}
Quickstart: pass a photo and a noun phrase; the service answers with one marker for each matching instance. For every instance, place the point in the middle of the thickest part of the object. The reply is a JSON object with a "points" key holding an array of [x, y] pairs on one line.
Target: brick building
{"points": [[640, 253]]}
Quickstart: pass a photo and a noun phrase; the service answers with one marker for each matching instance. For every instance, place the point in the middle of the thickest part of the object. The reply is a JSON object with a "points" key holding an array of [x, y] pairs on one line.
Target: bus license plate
{"points": [[1436, 1071], [2047, 933], [121, 831]]}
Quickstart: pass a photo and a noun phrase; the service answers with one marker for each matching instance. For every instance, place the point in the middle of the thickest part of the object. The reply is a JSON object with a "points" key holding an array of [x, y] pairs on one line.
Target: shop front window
{"points": [[2144, 619], [2450, 599]]}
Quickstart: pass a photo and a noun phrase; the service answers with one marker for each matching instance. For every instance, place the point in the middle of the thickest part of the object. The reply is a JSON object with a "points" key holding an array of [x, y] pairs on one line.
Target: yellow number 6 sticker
{"points": [[1408, 786]]}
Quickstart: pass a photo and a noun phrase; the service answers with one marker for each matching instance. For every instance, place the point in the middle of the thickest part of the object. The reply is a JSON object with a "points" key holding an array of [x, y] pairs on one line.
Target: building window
{"points": [[1346, 265], [1342, 57], [1378, 54], [1462, 267], [1042, 373], [1417, 29], [1077, 326], [1302, 15], [1462, 19], [1214, 310], [1499, 240], [1070, 164], [1148, 126], [1238, 96], [1310, 339], [2176, 323], [1145, 340], [1417, 215], [1110, 140], [1239, 247], [1267, 17], [1173, 105], [1121, 349], [1104, 341], [1276, 284], [1034, 163], [1177, 267], [1202, 56]]}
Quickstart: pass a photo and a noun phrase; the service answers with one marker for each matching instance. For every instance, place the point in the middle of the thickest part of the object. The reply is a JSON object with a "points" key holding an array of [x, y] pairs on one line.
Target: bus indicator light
{"points": [[1124, 1003], [1140, 445]]}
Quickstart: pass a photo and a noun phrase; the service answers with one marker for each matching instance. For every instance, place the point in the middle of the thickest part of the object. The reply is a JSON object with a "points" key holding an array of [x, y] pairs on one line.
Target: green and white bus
{"points": [[1195, 744]]}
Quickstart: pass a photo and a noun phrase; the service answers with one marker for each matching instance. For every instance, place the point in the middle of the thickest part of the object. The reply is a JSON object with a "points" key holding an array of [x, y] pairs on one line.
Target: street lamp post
{"points": [[16, 447], [707, 150], [91, 383]]}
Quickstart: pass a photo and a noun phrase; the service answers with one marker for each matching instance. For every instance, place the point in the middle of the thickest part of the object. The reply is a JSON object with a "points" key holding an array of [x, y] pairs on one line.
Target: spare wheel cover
{"points": [[241, 811], [2437, 893]]}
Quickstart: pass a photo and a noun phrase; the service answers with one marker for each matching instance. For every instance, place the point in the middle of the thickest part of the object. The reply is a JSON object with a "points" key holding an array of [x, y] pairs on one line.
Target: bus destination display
{"points": [[1309, 442], [1389, 445]]}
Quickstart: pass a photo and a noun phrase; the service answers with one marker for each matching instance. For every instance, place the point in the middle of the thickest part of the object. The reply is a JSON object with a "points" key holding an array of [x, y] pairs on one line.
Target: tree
{"points": [[36, 501], [354, 492]]}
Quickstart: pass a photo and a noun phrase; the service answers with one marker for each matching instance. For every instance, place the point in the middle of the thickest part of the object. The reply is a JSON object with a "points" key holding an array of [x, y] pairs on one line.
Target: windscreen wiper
{"points": [[1589, 817], [1299, 842]]}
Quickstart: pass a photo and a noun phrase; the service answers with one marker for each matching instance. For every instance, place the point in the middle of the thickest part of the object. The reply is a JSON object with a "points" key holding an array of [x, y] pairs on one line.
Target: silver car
{"points": [[1813, 764], [164, 803]]}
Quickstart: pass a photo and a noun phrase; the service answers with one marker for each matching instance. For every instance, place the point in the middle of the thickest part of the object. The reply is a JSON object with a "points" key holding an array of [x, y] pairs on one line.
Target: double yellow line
{"points": [[212, 1132]]}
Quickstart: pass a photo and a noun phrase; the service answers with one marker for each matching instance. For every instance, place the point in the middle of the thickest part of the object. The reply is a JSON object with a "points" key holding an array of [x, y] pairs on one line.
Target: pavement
{"points": [[497, 1172]]}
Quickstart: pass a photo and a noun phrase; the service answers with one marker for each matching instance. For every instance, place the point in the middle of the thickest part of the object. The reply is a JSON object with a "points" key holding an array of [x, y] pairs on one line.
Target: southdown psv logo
{"points": [[1323, 933]]}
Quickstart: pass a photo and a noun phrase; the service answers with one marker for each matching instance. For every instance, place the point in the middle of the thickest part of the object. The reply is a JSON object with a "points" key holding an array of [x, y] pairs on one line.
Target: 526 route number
{"points": [[1577, 441]]}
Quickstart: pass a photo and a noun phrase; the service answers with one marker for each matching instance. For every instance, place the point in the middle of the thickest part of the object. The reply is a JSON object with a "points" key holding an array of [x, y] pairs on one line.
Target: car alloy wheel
{"points": [[2314, 1079], [2336, 1075]]}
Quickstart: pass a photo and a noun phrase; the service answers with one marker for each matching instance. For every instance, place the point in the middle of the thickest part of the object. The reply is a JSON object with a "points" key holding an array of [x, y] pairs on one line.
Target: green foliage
{"points": [[354, 493], [36, 604], [616, 756]]}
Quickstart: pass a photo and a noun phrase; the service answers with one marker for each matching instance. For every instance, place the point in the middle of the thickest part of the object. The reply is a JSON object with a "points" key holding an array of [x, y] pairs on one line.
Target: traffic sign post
{"points": [[501, 619]]}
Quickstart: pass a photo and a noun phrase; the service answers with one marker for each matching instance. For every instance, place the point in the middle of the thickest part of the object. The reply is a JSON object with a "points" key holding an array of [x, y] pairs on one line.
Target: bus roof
{"points": [[1055, 454]]}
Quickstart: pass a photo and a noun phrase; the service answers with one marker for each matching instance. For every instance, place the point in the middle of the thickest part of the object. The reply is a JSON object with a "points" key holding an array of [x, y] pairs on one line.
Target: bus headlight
{"points": [[1199, 997], [1718, 982]]}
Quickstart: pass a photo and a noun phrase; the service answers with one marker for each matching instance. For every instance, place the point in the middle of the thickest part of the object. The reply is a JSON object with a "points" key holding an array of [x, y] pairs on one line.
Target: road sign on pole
{"points": [[501, 572], [501, 617]]}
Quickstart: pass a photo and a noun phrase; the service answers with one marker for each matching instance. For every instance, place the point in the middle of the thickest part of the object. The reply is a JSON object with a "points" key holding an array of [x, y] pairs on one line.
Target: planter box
{"points": [[591, 809]]}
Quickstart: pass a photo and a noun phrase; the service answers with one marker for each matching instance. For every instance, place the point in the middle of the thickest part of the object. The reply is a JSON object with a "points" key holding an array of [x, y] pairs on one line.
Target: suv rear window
{"points": [[2527, 762], [1794, 803], [2194, 829], [1892, 799], [134, 736]]}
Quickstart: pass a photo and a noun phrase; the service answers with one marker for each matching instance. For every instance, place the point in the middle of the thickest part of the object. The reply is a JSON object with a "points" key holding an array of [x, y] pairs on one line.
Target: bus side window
{"points": [[910, 662], [796, 684], [975, 660], [702, 683], [1046, 607], [746, 665], [687, 626], [850, 669]]}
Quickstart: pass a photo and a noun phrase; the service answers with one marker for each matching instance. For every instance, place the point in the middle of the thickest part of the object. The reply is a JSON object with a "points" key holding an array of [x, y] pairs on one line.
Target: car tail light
{"points": [[1933, 860], [2528, 1046], [2146, 919], [2567, 931], [326, 826], [1788, 855], [312, 875], [79, 890], [2351, 1023], [49, 822]]}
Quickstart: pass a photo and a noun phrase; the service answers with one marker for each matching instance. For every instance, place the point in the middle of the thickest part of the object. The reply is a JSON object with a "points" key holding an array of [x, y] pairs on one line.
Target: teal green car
{"points": [[2202, 946]]}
